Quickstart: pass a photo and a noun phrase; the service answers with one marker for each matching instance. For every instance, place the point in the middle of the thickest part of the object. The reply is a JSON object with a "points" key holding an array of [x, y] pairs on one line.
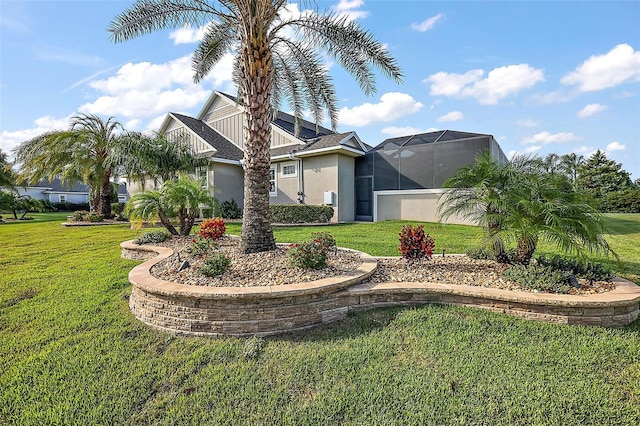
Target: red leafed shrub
{"points": [[414, 244], [212, 229]]}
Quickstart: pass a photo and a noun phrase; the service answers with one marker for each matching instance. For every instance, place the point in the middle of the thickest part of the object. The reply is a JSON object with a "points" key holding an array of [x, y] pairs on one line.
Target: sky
{"points": [[540, 76]]}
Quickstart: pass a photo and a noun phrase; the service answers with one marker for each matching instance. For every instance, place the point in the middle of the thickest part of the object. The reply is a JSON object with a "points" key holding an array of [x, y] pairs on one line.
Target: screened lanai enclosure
{"points": [[401, 177]]}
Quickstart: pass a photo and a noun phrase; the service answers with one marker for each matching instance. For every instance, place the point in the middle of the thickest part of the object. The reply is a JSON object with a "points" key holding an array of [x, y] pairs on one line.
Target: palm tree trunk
{"points": [[104, 205], [524, 250], [166, 222], [257, 235]]}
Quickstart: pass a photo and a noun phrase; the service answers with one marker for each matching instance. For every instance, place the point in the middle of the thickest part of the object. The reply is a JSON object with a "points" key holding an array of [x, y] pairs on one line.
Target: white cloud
{"points": [[528, 122], [155, 123], [349, 8], [615, 146], [427, 24], [405, 131], [600, 72], [10, 140], [140, 90], [392, 105], [498, 84], [583, 150], [451, 116], [187, 34], [590, 110], [545, 138]]}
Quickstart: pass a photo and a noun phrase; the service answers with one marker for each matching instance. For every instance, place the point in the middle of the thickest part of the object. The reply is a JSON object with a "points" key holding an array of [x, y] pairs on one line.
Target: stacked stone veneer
{"points": [[243, 311]]}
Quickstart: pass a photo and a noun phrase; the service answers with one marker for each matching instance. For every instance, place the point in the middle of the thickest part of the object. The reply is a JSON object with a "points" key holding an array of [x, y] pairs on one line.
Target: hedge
{"points": [[300, 213]]}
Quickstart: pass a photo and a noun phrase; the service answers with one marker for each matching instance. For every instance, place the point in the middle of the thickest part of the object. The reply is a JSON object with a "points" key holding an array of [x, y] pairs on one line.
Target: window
{"points": [[273, 191], [288, 169], [202, 176], [62, 198]]}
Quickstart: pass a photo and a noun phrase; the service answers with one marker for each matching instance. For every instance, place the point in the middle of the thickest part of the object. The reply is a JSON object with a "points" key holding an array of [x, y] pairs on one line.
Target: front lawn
{"points": [[72, 353]]}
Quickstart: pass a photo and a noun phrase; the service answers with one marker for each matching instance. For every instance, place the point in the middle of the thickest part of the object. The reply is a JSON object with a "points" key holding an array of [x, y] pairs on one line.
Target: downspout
{"points": [[300, 177]]}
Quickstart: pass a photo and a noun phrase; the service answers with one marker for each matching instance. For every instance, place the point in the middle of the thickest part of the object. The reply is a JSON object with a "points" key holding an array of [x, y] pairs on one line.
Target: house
{"points": [[55, 191], [318, 166]]}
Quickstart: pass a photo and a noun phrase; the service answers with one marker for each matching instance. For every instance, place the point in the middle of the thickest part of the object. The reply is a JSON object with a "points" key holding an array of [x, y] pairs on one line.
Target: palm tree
{"points": [[7, 177], [82, 153], [144, 156], [521, 202], [269, 66], [545, 207], [475, 194], [181, 197]]}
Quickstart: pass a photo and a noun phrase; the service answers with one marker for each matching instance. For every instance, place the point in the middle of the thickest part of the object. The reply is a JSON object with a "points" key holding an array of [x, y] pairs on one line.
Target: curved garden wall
{"points": [[243, 311]]}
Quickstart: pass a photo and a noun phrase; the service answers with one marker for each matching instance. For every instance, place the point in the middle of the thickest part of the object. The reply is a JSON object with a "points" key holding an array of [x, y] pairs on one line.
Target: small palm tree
{"points": [[182, 197], [520, 202], [475, 194], [545, 207], [269, 66], [7, 176]]}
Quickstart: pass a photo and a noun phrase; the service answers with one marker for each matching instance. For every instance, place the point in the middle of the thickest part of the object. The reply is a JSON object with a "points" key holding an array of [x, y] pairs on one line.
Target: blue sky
{"points": [[541, 77]]}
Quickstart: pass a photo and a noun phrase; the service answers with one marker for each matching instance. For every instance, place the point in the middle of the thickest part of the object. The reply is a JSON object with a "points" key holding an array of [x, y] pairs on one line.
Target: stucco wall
{"points": [[418, 204], [320, 175], [287, 187], [228, 178]]}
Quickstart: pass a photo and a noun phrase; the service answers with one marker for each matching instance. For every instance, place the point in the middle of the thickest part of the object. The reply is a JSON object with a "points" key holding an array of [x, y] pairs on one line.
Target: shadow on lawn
{"points": [[622, 226]]}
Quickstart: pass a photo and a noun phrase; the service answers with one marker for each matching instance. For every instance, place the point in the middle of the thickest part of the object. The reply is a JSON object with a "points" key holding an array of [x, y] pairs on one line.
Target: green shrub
{"points": [[79, 216], [151, 237], [215, 265], [592, 271], [414, 244], [539, 277], [300, 213], [480, 253], [117, 208], [70, 207], [200, 246], [95, 217], [230, 210], [325, 239], [307, 255]]}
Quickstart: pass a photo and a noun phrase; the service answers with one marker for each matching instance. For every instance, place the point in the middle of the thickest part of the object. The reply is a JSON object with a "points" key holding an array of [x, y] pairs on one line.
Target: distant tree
{"points": [[570, 164], [599, 176], [7, 176]]}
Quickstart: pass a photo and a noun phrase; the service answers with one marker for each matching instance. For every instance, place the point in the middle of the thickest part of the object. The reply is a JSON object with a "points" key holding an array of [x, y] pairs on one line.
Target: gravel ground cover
{"points": [[273, 268]]}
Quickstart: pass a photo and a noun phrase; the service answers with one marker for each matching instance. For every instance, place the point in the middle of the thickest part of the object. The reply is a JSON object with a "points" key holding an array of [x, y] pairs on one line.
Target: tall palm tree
{"points": [[81, 153], [269, 65]]}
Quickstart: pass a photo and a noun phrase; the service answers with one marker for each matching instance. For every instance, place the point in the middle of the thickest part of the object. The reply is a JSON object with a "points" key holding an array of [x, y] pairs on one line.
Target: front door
{"points": [[364, 198]]}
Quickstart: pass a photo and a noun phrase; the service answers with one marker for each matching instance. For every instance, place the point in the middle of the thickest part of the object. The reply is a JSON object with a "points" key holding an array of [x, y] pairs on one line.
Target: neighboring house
{"points": [[56, 192], [319, 166]]}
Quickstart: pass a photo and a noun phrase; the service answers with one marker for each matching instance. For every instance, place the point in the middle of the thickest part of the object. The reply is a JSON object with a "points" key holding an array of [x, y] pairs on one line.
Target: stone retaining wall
{"points": [[244, 311]]}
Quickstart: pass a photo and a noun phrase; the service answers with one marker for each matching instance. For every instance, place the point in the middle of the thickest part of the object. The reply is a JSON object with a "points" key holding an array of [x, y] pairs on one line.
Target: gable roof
{"points": [[225, 150], [332, 142]]}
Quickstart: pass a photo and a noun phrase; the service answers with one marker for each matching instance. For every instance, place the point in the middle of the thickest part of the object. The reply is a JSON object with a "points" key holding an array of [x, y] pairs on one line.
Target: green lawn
{"points": [[72, 353]]}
